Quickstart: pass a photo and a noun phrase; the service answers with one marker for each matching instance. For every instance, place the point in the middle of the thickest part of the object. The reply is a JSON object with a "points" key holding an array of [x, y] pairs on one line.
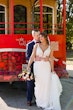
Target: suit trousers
{"points": [[30, 89]]}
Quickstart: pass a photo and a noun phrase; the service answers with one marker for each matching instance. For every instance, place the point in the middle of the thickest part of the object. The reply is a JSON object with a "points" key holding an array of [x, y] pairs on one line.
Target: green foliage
{"points": [[69, 30], [69, 24], [69, 20]]}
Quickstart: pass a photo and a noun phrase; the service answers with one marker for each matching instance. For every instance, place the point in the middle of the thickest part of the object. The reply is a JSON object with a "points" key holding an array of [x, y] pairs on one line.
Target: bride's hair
{"points": [[43, 34]]}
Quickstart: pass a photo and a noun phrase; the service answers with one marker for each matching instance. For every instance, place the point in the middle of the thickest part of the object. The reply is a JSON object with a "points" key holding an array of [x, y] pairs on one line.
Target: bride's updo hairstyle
{"points": [[43, 34]]}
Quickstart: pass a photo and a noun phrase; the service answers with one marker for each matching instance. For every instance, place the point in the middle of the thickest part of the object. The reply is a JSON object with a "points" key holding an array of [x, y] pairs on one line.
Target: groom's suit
{"points": [[30, 84]]}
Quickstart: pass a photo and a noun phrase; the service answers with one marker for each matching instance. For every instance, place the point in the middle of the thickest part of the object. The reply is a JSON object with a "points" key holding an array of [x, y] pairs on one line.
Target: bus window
{"points": [[2, 20], [20, 16]]}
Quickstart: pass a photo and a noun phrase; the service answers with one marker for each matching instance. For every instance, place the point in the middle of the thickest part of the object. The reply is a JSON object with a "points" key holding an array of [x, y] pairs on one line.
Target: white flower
{"points": [[26, 75]]}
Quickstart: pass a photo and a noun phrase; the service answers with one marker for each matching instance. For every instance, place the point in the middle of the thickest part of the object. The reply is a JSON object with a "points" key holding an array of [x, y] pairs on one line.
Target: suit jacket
{"points": [[29, 49]]}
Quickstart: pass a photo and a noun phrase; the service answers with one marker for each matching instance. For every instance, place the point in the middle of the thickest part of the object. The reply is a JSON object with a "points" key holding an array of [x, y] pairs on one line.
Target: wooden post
{"points": [[11, 15]]}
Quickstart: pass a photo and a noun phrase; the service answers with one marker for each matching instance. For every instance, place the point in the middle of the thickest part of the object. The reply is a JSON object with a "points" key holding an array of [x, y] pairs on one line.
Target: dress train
{"points": [[56, 90]]}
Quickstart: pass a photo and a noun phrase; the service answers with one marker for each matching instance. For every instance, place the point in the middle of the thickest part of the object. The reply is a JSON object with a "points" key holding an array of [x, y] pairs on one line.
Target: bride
{"points": [[48, 87]]}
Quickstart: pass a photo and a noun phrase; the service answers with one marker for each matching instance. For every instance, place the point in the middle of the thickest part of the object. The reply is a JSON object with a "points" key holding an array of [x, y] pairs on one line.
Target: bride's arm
{"points": [[32, 57], [51, 59]]}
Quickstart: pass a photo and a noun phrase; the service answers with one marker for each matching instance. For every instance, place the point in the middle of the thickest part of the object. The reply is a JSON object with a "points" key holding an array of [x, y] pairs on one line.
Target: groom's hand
{"points": [[46, 58], [38, 58]]}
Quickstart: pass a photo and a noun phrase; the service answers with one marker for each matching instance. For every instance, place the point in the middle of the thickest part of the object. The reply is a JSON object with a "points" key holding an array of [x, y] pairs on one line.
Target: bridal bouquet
{"points": [[26, 75]]}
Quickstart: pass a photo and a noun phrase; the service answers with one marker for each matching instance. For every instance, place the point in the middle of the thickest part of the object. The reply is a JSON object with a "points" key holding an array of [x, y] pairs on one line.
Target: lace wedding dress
{"points": [[47, 85]]}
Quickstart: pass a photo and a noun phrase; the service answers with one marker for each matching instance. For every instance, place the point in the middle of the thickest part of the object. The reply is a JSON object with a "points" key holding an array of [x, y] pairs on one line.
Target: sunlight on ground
{"points": [[69, 67], [69, 62], [2, 102], [4, 105]]}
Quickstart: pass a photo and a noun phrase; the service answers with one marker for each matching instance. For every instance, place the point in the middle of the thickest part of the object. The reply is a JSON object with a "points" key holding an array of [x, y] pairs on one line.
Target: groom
{"points": [[29, 48]]}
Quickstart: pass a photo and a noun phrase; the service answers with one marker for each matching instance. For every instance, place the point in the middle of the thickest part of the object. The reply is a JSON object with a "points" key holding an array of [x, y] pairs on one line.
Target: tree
{"points": [[69, 24]]}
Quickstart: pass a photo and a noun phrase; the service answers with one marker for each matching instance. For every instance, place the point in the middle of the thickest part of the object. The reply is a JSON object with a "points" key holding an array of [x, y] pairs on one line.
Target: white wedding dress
{"points": [[47, 85]]}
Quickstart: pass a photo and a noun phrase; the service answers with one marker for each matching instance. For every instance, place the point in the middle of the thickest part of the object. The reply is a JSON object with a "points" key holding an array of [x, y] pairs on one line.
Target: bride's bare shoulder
{"points": [[52, 46]]}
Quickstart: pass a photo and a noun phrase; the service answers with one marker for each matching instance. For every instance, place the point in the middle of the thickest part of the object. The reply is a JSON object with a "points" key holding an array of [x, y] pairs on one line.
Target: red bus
{"points": [[17, 19]]}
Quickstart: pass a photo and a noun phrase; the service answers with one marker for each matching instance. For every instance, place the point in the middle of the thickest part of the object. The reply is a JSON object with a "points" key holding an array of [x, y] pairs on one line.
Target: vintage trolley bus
{"points": [[17, 19]]}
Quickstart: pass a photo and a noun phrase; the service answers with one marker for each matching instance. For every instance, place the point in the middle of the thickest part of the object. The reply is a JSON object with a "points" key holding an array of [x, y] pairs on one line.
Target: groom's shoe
{"points": [[29, 103]]}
